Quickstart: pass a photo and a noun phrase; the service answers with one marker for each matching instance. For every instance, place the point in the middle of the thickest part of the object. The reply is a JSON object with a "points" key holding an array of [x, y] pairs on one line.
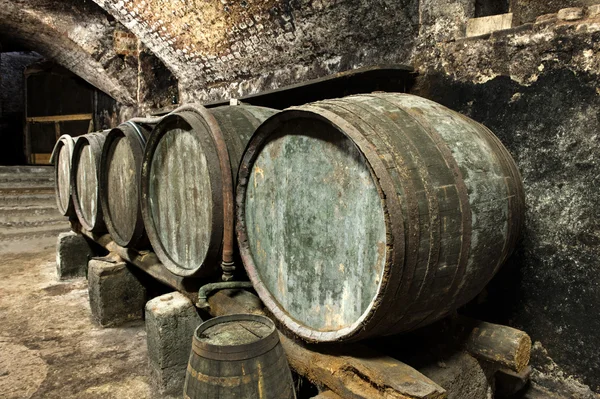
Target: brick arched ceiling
{"points": [[221, 48]]}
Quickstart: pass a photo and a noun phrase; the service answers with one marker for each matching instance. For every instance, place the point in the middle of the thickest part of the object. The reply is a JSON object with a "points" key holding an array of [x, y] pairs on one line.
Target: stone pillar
{"points": [[116, 295], [171, 320], [72, 255]]}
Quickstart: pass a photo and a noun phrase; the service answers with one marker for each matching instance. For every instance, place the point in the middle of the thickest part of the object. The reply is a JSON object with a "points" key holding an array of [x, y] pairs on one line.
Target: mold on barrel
{"points": [[190, 162], [121, 165], [374, 214]]}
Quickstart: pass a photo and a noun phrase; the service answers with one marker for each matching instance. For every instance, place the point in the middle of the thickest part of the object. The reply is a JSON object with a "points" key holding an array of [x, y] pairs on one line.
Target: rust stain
{"points": [[261, 382], [258, 171]]}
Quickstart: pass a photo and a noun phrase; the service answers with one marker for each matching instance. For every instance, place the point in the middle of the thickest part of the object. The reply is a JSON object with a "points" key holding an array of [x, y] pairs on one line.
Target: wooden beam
{"points": [[501, 345], [59, 118], [352, 371]]}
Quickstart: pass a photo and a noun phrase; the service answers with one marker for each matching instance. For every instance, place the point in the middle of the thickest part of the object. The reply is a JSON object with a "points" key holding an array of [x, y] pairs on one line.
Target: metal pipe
{"points": [[205, 290], [227, 263]]}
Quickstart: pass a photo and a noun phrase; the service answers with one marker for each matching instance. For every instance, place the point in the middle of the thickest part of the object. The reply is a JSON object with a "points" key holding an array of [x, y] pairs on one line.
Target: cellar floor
{"points": [[49, 345]]}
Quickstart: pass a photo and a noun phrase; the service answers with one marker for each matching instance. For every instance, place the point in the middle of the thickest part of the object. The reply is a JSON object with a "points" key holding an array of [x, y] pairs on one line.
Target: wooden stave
{"points": [[96, 141], [137, 136], [197, 116]]}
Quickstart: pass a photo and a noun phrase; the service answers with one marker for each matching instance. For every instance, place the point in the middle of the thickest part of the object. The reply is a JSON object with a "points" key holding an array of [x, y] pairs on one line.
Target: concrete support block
{"points": [[509, 382], [570, 14], [485, 25], [461, 376], [593, 11], [116, 295], [171, 320], [72, 255]]}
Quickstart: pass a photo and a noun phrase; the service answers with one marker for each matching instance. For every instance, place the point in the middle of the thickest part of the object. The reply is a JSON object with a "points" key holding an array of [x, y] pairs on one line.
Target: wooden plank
{"points": [[122, 188], [41, 159], [364, 375], [59, 118]]}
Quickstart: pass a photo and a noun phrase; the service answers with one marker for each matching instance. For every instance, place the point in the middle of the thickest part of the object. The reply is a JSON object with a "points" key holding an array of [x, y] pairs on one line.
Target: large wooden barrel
{"points": [[61, 158], [85, 176], [374, 214], [120, 168], [238, 356], [186, 205]]}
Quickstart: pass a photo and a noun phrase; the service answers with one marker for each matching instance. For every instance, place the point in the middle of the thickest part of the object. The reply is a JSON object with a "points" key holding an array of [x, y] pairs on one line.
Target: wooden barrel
{"points": [[85, 176], [120, 168], [238, 356], [374, 214], [61, 158], [184, 203]]}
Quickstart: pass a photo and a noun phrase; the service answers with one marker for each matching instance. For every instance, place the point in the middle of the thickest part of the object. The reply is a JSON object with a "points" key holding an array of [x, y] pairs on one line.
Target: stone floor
{"points": [[49, 346]]}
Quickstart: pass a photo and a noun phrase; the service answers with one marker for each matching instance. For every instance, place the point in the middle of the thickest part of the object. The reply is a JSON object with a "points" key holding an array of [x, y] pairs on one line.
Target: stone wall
{"points": [[12, 104], [83, 38], [538, 88]]}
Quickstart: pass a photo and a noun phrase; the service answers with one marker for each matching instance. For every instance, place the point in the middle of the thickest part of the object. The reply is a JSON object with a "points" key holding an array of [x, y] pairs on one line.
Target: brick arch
{"points": [[230, 48], [77, 35]]}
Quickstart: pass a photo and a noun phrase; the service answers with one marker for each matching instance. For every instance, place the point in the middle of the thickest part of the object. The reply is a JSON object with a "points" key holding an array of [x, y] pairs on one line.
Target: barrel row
{"points": [[355, 217]]}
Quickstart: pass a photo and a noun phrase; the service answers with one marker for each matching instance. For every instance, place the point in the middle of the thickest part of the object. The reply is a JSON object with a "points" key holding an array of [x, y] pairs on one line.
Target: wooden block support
{"points": [[364, 375], [501, 345]]}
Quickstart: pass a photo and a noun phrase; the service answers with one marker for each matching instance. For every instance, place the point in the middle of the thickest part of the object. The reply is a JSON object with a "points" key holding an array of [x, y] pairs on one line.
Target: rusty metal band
{"points": [[400, 285], [226, 181], [432, 207], [235, 352], [466, 226]]}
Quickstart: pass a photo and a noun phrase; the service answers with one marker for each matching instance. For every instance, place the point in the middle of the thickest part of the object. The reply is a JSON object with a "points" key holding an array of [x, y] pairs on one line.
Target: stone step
{"points": [[25, 233], [24, 169], [27, 185], [27, 190], [27, 199], [30, 223], [24, 178], [29, 213]]}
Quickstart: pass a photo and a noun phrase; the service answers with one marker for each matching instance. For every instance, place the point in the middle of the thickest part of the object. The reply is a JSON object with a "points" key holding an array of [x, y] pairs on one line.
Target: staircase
{"points": [[29, 218]]}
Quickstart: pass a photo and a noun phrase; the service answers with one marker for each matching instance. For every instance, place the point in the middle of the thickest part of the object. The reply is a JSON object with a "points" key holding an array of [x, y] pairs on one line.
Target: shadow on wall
{"points": [[551, 285]]}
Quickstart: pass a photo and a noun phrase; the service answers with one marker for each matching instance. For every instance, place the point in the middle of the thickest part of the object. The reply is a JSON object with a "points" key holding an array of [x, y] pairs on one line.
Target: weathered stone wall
{"points": [[220, 49], [12, 67], [12, 104], [82, 37], [538, 88], [528, 10]]}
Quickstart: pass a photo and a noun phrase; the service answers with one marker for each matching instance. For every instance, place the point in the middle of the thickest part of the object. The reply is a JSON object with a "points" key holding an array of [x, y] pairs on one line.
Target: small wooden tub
{"points": [[238, 356]]}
